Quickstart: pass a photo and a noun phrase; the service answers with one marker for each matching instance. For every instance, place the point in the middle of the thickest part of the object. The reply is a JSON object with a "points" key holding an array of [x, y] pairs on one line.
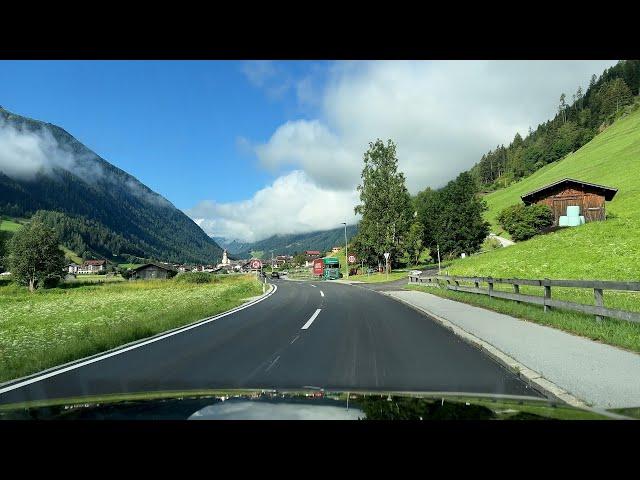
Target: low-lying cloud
{"points": [[23, 153], [291, 204], [26, 153]]}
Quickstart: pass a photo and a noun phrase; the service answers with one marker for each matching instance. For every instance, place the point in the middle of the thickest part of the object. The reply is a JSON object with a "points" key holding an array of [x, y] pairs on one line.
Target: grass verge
{"points": [[614, 332], [55, 326]]}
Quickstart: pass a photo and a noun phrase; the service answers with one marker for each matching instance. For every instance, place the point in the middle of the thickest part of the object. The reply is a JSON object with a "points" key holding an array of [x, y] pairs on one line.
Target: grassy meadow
{"points": [[9, 226], [58, 325]]}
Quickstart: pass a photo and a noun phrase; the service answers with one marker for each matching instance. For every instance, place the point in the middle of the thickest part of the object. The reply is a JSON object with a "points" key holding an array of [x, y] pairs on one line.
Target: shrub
{"points": [[523, 222], [491, 244], [196, 277]]}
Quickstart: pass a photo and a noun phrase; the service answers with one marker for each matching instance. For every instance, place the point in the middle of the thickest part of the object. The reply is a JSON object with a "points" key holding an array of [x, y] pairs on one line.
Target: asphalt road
{"points": [[322, 334]]}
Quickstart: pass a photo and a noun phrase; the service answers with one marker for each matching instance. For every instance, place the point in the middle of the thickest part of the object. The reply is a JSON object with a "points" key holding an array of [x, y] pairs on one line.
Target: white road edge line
{"points": [[321, 293], [297, 336], [132, 347], [310, 321]]}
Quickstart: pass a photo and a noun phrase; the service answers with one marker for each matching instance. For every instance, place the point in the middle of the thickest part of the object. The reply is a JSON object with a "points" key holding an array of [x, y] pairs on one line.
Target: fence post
{"points": [[490, 282], [477, 284], [597, 293], [547, 294], [516, 290]]}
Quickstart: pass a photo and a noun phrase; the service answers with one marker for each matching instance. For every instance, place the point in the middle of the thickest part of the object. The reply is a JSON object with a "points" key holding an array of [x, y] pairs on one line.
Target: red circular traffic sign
{"points": [[256, 264], [352, 259]]}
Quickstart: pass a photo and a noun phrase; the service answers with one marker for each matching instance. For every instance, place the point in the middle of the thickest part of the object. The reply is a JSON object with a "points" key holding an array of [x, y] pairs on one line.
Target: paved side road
{"points": [[601, 375]]}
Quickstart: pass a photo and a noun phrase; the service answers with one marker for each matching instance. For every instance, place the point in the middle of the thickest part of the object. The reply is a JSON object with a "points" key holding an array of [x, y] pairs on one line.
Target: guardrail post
{"points": [[490, 282], [477, 284], [547, 294], [597, 293], [516, 290]]}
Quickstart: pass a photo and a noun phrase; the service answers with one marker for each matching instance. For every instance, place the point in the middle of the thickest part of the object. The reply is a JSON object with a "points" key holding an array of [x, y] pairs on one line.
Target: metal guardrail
{"points": [[598, 286]]}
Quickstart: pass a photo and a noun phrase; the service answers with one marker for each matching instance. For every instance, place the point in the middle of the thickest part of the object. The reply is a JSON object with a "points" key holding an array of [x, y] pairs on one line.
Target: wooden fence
{"points": [[598, 287]]}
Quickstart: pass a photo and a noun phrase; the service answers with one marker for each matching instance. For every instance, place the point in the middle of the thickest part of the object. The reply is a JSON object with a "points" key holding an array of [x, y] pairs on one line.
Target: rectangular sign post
{"points": [[386, 257], [318, 267]]}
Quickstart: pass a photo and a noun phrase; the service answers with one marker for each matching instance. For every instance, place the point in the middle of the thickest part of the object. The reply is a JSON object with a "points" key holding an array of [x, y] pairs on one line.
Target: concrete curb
{"points": [[247, 303], [534, 379]]}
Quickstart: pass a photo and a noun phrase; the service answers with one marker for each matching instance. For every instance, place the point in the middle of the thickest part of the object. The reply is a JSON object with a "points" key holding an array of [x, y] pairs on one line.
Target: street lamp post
{"points": [[346, 254]]}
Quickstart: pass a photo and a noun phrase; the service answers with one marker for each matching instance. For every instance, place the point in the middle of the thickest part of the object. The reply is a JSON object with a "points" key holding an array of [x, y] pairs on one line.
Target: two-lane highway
{"points": [[321, 334]]}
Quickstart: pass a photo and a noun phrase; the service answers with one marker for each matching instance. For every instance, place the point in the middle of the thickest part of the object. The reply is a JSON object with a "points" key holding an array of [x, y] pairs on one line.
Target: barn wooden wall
{"points": [[592, 205]]}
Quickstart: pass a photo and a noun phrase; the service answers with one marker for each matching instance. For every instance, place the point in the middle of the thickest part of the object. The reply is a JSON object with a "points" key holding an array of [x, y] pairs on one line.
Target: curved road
{"points": [[321, 334]]}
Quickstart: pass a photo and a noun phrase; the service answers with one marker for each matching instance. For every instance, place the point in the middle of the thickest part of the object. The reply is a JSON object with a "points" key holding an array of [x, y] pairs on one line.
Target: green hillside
{"points": [[97, 209], [599, 250], [9, 226]]}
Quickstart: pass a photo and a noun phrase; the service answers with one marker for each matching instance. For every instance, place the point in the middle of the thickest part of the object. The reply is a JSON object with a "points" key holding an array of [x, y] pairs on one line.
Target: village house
{"points": [[588, 197], [73, 268], [151, 271], [92, 266]]}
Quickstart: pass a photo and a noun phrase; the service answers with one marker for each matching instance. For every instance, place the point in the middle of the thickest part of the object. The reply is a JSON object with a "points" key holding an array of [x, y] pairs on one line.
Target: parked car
{"points": [[275, 275], [415, 272]]}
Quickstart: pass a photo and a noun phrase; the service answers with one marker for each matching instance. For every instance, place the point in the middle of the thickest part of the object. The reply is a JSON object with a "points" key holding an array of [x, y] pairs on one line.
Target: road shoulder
{"points": [[573, 369]]}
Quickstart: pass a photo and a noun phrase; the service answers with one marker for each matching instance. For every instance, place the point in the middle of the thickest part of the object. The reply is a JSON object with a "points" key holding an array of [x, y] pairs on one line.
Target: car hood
{"points": [[303, 404]]}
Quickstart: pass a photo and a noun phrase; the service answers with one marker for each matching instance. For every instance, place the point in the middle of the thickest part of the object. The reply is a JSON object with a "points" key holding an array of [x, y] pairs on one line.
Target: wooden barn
{"points": [[590, 197], [151, 271]]}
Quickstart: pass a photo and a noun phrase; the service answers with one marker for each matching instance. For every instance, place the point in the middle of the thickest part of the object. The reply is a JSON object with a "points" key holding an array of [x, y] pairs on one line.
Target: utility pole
{"points": [[438, 259], [346, 254]]}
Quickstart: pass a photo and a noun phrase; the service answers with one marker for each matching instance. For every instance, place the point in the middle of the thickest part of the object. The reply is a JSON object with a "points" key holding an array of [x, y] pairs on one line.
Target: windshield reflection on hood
{"points": [[247, 410]]}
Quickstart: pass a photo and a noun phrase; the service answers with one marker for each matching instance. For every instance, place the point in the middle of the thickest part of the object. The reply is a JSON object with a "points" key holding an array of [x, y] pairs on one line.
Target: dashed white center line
{"points": [[297, 336], [272, 363], [321, 293], [310, 321], [313, 285]]}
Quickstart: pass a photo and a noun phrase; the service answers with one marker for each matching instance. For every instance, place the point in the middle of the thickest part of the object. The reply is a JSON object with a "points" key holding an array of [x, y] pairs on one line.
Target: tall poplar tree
{"points": [[385, 206]]}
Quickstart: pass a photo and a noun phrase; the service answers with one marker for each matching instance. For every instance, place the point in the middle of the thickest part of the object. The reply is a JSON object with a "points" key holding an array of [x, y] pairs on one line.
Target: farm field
{"points": [[54, 326]]}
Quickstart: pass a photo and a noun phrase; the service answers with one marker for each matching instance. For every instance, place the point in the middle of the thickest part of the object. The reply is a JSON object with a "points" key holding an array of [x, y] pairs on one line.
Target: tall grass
{"points": [[49, 327]]}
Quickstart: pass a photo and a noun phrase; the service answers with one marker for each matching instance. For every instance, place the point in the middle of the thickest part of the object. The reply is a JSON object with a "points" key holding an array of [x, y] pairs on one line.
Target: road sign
{"points": [[256, 264], [386, 255], [318, 267], [352, 259]]}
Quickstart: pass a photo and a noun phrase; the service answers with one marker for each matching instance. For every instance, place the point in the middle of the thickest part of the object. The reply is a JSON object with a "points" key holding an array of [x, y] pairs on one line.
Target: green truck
{"points": [[331, 268]]}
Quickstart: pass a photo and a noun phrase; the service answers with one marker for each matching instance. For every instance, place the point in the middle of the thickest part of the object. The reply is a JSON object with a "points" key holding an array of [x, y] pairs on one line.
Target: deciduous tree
{"points": [[385, 202], [34, 255]]}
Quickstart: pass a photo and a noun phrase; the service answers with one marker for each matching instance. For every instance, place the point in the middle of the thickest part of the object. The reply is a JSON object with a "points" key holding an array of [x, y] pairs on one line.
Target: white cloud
{"points": [[24, 153], [292, 204], [442, 115]]}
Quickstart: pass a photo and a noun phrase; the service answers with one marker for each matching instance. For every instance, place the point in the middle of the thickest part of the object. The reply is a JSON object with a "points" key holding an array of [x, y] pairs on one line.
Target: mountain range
{"points": [[97, 209], [288, 244]]}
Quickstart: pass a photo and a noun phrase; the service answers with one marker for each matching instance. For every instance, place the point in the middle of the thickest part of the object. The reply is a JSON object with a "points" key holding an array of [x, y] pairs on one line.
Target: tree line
{"points": [[576, 122], [449, 219]]}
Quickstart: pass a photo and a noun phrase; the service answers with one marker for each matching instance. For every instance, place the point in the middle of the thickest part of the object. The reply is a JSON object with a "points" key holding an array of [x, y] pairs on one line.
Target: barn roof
{"points": [[608, 192], [147, 265]]}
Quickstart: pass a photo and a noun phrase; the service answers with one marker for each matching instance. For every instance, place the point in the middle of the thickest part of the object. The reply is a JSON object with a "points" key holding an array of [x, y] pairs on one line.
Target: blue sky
{"points": [[251, 149], [173, 125]]}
